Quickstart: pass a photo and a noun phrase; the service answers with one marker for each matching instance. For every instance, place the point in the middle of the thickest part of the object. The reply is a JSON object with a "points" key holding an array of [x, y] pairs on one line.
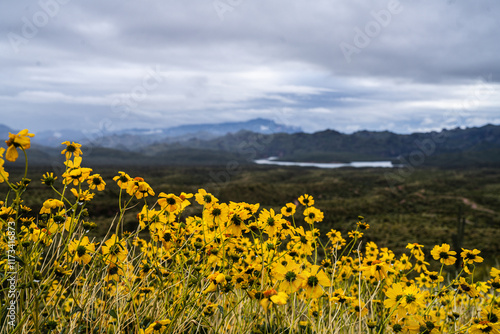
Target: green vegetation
{"points": [[424, 207]]}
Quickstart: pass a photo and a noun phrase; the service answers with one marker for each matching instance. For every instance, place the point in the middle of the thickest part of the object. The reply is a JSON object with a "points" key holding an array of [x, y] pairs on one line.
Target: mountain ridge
{"points": [[134, 137], [475, 146]]}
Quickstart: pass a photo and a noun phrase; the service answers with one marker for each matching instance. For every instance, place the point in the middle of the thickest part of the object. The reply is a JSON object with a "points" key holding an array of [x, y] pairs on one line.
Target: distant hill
{"points": [[448, 148], [471, 147], [131, 139], [5, 130]]}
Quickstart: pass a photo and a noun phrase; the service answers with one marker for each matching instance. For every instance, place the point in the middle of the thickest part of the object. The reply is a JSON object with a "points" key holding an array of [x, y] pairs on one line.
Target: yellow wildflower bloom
{"points": [[157, 327], [314, 280], [443, 254], [3, 174], [81, 249], [71, 149], [306, 200], [288, 210], [21, 140], [313, 215], [169, 202], [96, 182], [204, 198], [114, 250]]}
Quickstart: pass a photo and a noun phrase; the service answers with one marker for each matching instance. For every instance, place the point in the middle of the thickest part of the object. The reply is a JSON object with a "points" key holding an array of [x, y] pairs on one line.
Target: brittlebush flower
{"points": [[157, 327], [313, 215], [280, 298], [443, 254], [288, 210], [314, 279], [306, 200], [139, 188], [491, 314], [169, 202], [50, 205], [471, 256], [3, 174], [394, 295], [71, 149], [485, 327], [413, 299], [21, 140], [81, 249], [114, 250], [49, 179], [96, 182], [113, 272], [82, 195], [289, 275], [204, 198], [122, 180], [464, 287], [416, 250], [184, 198]]}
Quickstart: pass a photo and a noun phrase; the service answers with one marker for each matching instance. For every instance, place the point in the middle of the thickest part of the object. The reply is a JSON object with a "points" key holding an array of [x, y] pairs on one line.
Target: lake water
{"points": [[357, 164]]}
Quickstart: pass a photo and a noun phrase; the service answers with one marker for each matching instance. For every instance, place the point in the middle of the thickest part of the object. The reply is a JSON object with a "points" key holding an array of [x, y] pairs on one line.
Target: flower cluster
{"points": [[234, 268]]}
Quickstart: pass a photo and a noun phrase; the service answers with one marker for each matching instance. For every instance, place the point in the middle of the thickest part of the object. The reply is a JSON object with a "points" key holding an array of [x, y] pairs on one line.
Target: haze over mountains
{"points": [[243, 142], [130, 139]]}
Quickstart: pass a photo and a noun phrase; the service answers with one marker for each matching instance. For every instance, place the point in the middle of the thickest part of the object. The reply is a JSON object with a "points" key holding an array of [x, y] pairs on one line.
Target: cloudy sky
{"points": [[347, 65]]}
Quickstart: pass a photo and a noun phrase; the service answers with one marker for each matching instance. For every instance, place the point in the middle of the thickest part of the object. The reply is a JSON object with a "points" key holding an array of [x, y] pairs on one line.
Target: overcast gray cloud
{"points": [[347, 65]]}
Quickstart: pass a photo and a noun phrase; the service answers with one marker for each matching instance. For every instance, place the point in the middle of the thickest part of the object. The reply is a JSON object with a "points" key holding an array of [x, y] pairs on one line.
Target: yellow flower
{"points": [[359, 307], [216, 214], [236, 221], [491, 314], [204, 198], [355, 234], [443, 254], [303, 241], [81, 249], [485, 327], [314, 279], [306, 200], [96, 181], [50, 205], [464, 287], [3, 174], [122, 180], [377, 270], [158, 326], [75, 173], [114, 250], [495, 273], [139, 188], [288, 210], [113, 272], [49, 179], [270, 221], [313, 215], [336, 239], [170, 202], [83, 196], [471, 256], [71, 149], [280, 298], [394, 297], [184, 198], [289, 275], [21, 140], [416, 250], [413, 299]]}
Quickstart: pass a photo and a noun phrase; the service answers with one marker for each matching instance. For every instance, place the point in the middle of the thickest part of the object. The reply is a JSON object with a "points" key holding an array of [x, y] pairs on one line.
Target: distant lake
{"points": [[357, 164]]}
